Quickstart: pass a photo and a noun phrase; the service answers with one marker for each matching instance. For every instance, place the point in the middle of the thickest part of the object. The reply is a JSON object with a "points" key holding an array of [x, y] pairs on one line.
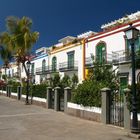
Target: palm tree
{"points": [[21, 40], [5, 53]]}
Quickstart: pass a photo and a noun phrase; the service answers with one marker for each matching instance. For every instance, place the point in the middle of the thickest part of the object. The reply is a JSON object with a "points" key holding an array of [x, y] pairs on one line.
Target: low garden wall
{"points": [[90, 113], [35, 100]]}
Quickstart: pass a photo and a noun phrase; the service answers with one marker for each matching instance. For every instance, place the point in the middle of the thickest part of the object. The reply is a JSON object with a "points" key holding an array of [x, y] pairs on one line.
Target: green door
{"points": [[101, 53], [123, 84]]}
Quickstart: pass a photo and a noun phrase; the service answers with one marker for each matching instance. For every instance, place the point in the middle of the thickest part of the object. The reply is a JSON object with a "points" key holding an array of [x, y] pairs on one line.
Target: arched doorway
{"points": [[101, 52]]}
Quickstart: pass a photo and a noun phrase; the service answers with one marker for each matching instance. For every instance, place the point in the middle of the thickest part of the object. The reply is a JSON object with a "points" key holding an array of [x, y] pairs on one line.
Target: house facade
{"points": [[73, 55]]}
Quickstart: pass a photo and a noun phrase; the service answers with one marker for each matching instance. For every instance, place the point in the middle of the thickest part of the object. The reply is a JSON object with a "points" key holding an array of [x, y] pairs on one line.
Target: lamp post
{"points": [[131, 35], [0, 74], [28, 64]]}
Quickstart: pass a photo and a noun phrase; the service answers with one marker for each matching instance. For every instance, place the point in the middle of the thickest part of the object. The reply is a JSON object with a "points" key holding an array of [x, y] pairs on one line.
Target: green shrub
{"points": [[14, 85], [129, 97], [88, 94], [39, 90], [35, 90]]}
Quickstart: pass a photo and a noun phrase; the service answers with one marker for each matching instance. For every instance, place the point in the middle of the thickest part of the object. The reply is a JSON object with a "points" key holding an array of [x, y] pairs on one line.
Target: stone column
{"points": [[7, 90], [57, 99], [105, 115], [127, 115], [67, 97], [49, 97], [19, 91], [10, 90]]}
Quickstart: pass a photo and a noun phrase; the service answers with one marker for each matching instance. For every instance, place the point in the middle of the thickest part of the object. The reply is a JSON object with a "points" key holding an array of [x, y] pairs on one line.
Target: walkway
{"points": [[29, 122]]}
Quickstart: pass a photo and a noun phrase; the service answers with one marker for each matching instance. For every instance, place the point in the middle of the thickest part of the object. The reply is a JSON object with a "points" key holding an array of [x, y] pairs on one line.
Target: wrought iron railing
{"points": [[46, 69], [123, 57], [68, 66], [107, 59]]}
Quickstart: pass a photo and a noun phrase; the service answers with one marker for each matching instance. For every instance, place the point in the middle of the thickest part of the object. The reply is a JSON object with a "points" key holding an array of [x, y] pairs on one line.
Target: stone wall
{"points": [[89, 113]]}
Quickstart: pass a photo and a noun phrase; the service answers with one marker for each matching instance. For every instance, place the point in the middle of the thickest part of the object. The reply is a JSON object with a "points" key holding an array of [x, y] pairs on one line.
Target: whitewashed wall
{"points": [[63, 57]]}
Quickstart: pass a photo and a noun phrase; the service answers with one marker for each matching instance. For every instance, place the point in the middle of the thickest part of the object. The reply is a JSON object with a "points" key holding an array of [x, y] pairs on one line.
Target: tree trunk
{"points": [[20, 78]]}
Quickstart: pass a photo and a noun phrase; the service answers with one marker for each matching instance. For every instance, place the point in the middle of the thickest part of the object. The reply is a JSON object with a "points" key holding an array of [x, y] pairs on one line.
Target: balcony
{"points": [[46, 70], [65, 66], [123, 57], [89, 60]]}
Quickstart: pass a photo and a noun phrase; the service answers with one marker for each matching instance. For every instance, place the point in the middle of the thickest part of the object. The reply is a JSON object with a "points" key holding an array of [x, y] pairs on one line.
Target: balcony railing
{"points": [[46, 70], [123, 57], [68, 66], [106, 60]]}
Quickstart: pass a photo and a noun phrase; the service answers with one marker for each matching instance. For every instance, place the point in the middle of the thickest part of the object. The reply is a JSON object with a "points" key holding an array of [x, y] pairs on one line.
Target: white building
{"points": [[73, 54]]}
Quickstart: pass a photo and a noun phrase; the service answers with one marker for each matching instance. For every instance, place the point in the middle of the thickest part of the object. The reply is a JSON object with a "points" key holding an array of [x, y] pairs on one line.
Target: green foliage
{"points": [[35, 90], [88, 93], [4, 77], [129, 97], [39, 90], [74, 81], [66, 81], [55, 80]]}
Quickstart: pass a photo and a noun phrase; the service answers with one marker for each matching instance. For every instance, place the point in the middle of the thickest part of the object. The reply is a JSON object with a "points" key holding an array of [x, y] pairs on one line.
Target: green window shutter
{"points": [[54, 63], [101, 53], [123, 83], [43, 65], [70, 60]]}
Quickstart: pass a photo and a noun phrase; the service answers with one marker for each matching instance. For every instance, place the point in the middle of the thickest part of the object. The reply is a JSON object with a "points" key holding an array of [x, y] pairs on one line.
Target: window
{"points": [[54, 63], [43, 65], [71, 59], [32, 68], [101, 53]]}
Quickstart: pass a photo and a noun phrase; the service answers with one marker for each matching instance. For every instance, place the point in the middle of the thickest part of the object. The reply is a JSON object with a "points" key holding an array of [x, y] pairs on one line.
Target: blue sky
{"points": [[55, 19]]}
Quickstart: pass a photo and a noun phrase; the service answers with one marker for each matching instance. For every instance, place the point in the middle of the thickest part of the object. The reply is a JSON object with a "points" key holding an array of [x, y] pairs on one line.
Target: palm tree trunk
{"points": [[20, 78]]}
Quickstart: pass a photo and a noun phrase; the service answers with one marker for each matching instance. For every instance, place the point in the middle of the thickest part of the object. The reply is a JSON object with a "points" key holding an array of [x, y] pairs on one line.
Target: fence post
{"points": [[67, 97], [19, 91], [127, 115], [10, 90], [7, 90], [57, 99], [49, 97], [105, 115]]}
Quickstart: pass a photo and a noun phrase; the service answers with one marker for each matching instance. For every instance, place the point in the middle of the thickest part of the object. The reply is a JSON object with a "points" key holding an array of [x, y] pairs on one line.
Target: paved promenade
{"points": [[29, 122]]}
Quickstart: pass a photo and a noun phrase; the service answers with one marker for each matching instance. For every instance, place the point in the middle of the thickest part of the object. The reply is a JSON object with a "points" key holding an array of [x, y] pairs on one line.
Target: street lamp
{"points": [[0, 74], [28, 64], [131, 35]]}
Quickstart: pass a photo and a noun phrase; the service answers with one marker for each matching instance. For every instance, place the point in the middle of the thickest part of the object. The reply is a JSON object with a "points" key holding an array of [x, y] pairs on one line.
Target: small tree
{"points": [[88, 93], [66, 81], [55, 80], [74, 81]]}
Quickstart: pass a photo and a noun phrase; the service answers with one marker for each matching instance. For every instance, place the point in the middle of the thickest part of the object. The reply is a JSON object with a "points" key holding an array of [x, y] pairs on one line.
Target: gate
{"points": [[117, 104], [117, 109]]}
